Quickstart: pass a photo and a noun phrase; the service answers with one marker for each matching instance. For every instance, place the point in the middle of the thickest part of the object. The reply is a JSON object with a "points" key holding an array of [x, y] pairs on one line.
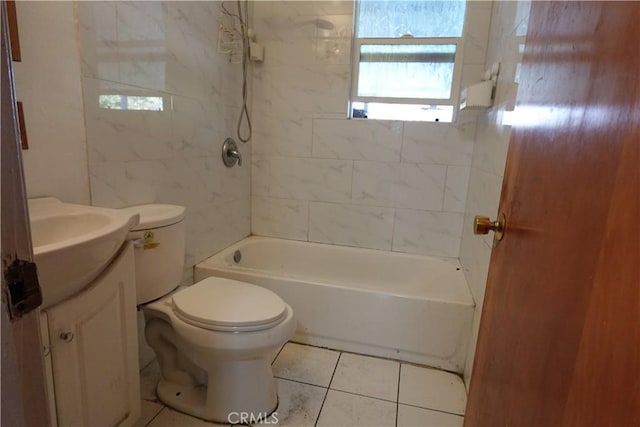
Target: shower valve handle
{"points": [[230, 153]]}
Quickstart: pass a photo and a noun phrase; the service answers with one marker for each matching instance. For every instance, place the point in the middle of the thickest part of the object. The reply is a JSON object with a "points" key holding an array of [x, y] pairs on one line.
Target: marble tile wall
{"points": [[509, 22], [167, 51], [317, 176]]}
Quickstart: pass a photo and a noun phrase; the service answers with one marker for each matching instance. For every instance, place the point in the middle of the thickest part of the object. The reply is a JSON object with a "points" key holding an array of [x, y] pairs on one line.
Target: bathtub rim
{"points": [[218, 261]]}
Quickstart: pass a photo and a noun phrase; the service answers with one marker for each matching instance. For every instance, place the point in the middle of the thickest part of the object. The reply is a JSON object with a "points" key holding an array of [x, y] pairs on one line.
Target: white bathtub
{"points": [[408, 307]]}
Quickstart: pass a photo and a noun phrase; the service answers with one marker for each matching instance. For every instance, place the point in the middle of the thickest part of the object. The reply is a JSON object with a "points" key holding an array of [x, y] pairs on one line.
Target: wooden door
{"points": [[559, 341], [24, 394]]}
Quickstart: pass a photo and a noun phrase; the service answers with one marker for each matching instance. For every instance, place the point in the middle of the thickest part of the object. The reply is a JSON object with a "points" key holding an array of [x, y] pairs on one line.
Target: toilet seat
{"points": [[207, 304]]}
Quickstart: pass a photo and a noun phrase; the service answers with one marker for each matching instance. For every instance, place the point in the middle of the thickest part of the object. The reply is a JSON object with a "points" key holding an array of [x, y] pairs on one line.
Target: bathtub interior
{"points": [[368, 269]]}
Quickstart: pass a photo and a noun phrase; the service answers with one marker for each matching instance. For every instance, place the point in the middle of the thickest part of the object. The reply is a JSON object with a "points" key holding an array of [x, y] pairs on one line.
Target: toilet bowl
{"points": [[213, 339]]}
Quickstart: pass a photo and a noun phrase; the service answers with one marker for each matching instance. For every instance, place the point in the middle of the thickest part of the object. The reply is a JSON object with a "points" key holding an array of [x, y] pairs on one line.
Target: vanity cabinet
{"points": [[93, 351]]}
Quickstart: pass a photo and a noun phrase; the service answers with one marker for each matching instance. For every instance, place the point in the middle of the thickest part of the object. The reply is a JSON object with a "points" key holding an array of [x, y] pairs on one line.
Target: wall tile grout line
{"points": [[353, 174], [444, 189], [398, 393], [401, 160], [393, 232], [308, 219], [313, 125]]}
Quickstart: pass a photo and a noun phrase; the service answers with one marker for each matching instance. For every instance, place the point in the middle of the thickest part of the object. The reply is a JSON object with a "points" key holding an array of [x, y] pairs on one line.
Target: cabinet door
{"points": [[48, 368], [94, 350]]}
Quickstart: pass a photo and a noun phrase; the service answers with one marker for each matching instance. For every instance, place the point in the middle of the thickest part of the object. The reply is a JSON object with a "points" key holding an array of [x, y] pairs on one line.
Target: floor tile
{"points": [[274, 353], [149, 378], [306, 364], [368, 376], [170, 418], [299, 404], [432, 389], [148, 411], [344, 409], [410, 416]]}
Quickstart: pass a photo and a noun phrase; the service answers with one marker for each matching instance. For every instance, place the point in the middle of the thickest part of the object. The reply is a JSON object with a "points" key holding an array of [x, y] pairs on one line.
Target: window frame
{"points": [[357, 42]]}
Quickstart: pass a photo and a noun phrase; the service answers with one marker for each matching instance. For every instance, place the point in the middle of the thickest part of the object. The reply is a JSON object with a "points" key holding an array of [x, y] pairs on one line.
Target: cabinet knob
{"points": [[67, 336]]}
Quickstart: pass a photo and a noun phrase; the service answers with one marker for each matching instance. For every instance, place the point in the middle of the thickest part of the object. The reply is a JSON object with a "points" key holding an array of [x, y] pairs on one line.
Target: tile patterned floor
{"points": [[321, 387]]}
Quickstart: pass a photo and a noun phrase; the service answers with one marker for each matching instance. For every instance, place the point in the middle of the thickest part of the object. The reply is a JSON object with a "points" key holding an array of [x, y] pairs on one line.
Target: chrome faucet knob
{"points": [[230, 153], [237, 155]]}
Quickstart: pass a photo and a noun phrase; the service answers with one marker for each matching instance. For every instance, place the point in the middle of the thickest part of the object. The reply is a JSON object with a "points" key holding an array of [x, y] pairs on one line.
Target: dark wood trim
{"points": [[12, 16], [24, 142], [24, 391]]}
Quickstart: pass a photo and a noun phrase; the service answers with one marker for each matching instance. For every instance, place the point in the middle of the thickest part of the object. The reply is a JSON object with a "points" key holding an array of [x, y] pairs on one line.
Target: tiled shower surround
{"points": [[166, 50], [317, 176]]}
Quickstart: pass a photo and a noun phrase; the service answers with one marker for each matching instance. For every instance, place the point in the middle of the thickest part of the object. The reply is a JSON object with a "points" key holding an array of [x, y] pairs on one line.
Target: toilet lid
{"points": [[156, 215], [228, 305]]}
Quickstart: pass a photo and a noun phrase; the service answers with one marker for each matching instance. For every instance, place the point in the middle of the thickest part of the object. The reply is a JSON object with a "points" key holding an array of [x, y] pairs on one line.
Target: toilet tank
{"points": [[159, 242]]}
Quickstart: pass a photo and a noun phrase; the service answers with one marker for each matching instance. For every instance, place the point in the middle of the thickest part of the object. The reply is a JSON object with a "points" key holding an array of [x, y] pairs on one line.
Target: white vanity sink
{"points": [[73, 244]]}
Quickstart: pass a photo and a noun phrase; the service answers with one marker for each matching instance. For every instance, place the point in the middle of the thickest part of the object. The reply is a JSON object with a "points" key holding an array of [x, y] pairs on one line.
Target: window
{"points": [[128, 102], [407, 59]]}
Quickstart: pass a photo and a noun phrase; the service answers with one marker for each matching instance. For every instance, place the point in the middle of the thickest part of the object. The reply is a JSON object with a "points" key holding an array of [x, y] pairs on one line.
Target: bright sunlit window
{"points": [[128, 102], [407, 59]]}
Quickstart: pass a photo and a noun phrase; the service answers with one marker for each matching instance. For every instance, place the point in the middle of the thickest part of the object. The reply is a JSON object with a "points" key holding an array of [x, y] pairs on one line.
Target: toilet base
{"points": [[236, 389]]}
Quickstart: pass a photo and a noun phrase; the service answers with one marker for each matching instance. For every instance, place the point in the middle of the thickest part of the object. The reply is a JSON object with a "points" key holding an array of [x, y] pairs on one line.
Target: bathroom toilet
{"points": [[214, 339]]}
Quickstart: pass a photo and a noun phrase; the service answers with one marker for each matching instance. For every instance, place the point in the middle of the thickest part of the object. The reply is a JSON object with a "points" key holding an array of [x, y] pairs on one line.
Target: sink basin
{"points": [[73, 244]]}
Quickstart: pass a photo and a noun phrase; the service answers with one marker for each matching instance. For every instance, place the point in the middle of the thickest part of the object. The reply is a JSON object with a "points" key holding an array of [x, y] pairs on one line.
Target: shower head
{"points": [[323, 24]]}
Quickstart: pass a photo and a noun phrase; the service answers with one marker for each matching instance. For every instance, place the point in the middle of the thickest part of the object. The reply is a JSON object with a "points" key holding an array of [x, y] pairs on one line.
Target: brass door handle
{"points": [[483, 225]]}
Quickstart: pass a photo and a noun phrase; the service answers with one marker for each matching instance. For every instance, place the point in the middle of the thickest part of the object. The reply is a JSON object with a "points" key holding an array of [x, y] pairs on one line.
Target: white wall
{"points": [[317, 176], [509, 22], [48, 84]]}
